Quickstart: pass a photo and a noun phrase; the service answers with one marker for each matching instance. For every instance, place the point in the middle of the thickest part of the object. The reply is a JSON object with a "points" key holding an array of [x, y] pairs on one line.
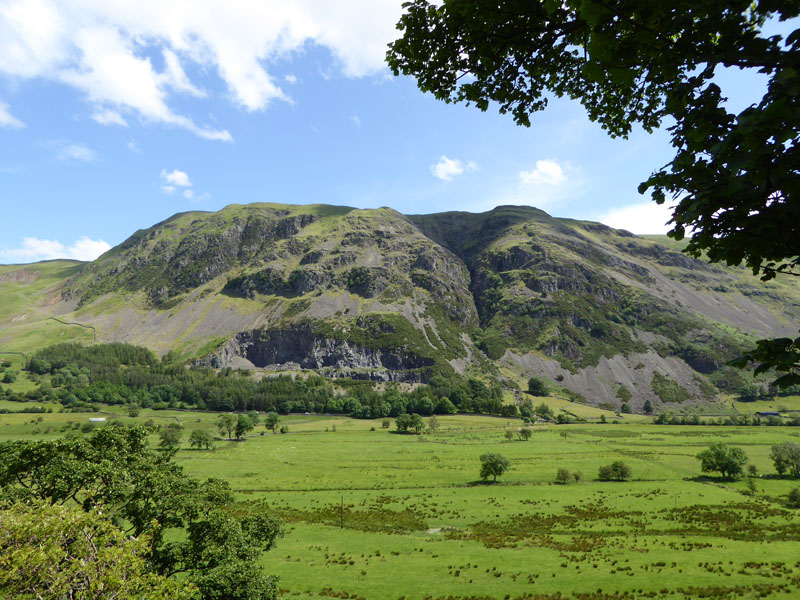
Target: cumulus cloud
{"points": [[176, 178], [448, 168], [130, 57], [76, 153], [640, 218], [547, 172], [7, 119], [33, 249]]}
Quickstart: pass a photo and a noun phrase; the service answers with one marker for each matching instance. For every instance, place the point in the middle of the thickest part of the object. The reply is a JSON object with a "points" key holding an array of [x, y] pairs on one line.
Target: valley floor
{"points": [[374, 514]]}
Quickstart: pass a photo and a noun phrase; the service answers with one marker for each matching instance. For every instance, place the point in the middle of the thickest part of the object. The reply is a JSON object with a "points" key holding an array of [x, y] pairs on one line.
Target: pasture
{"points": [[374, 514]]}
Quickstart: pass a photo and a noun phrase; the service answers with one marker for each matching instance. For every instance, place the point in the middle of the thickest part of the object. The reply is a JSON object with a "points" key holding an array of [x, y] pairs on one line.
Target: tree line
{"points": [[79, 377]]}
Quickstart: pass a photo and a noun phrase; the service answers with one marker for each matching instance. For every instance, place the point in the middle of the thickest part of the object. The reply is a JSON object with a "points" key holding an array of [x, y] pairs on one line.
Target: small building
{"points": [[97, 419]]}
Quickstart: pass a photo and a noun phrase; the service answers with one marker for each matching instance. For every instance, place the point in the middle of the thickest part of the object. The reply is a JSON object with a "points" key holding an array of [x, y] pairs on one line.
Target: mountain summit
{"points": [[374, 294]]}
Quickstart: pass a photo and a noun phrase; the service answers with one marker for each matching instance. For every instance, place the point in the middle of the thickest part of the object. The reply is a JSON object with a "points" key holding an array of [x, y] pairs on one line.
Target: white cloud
{"points": [[447, 168], [188, 194], [168, 189], [104, 49], [109, 117], [176, 178], [356, 120], [133, 147], [7, 119], [33, 249], [640, 218], [547, 172], [76, 153], [290, 78]]}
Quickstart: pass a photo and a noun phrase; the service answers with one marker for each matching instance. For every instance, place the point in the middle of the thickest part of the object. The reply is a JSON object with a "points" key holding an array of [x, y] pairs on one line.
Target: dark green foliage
{"points": [[170, 436], [563, 476], [616, 471], [624, 395], [537, 387], [793, 498], [243, 425], [200, 438], [544, 412], [786, 458], [648, 407], [666, 389], [9, 376], [524, 433], [625, 408], [359, 280], [114, 472], [271, 421], [727, 461], [406, 423], [493, 465]]}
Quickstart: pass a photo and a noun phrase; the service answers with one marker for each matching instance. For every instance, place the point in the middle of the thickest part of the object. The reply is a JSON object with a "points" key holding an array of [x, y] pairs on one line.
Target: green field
{"points": [[374, 514]]}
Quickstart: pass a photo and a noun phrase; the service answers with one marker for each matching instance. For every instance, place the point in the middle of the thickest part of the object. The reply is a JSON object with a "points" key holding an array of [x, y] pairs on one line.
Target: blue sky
{"points": [[114, 116]]}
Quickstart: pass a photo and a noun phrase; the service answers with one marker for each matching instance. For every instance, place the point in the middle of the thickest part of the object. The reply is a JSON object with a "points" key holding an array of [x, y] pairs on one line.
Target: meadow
{"points": [[374, 514]]}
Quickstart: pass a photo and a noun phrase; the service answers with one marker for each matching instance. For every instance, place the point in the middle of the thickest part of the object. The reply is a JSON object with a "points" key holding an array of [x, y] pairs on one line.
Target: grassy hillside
{"points": [[600, 314]]}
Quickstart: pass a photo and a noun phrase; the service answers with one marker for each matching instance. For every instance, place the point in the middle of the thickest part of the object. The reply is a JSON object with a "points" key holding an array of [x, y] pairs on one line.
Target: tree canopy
{"points": [[726, 460], [115, 473], [493, 465], [734, 177]]}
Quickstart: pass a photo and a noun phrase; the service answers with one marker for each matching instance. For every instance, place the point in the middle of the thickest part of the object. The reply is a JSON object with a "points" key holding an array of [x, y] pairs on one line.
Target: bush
{"points": [[563, 476], [537, 387], [616, 471], [794, 498]]}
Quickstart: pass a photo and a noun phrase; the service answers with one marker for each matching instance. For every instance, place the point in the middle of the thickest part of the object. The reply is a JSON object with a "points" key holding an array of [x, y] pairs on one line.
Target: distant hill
{"points": [[599, 313]]}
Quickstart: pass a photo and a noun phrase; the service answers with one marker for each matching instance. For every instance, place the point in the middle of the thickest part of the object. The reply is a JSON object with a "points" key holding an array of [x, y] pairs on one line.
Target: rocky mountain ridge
{"points": [[599, 313]]}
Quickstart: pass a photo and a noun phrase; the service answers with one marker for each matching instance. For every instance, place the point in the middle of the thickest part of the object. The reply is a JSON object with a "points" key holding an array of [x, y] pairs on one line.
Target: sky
{"points": [[116, 115]]}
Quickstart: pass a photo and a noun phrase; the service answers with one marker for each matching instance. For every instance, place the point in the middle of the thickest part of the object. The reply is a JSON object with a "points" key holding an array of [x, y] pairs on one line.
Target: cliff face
{"points": [[374, 294]]}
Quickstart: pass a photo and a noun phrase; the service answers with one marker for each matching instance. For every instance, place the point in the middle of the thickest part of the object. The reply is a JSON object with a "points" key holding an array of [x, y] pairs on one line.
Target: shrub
{"points": [[563, 476], [794, 498], [616, 471], [537, 387]]}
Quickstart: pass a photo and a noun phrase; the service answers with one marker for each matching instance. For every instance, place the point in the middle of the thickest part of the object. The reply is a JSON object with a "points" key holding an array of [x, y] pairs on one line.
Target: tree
{"points": [[404, 422], [728, 461], [616, 471], [509, 435], [537, 387], [734, 176], [254, 417], [201, 438], [53, 552], [170, 436], [544, 412], [243, 425], [648, 407], [271, 421], [794, 498], [524, 433], [786, 458], [226, 423], [433, 425], [114, 472], [563, 476], [493, 465]]}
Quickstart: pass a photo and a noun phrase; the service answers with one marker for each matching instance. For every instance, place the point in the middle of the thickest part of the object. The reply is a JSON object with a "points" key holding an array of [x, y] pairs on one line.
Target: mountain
{"points": [[599, 313]]}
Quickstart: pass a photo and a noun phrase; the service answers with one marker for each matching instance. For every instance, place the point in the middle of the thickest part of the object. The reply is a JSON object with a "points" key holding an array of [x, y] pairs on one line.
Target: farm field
{"points": [[375, 514]]}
